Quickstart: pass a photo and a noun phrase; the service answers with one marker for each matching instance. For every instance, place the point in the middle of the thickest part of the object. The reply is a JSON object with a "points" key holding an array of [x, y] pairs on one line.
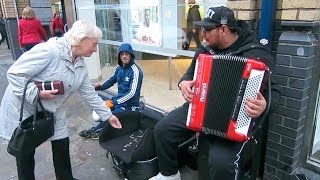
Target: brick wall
{"points": [[307, 10], [244, 9], [21, 4], [298, 10], [295, 55], [8, 9]]}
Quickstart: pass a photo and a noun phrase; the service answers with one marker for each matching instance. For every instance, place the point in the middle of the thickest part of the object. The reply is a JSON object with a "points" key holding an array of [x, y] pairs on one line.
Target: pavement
{"points": [[88, 158]]}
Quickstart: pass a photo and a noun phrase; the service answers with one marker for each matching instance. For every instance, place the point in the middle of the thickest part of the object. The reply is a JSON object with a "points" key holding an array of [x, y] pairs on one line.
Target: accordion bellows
{"points": [[222, 84]]}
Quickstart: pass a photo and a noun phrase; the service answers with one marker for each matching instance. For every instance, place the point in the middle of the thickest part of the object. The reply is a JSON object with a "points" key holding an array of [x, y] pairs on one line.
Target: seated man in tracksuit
{"points": [[129, 77]]}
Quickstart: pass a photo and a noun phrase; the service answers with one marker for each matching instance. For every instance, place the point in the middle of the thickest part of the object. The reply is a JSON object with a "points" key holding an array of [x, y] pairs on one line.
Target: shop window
{"points": [[315, 150], [108, 19], [156, 29]]}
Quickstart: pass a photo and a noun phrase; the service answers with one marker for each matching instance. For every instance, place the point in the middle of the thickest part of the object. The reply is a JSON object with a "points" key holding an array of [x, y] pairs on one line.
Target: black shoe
{"points": [[95, 135], [86, 133]]}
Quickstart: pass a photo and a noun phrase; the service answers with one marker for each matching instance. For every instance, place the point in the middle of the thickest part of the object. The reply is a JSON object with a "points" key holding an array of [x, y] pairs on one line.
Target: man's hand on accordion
{"points": [[255, 107], [186, 90]]}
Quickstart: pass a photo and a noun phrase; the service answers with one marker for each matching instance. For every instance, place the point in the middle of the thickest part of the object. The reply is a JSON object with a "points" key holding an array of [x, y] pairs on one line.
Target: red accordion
{"points": [[222, 84]]}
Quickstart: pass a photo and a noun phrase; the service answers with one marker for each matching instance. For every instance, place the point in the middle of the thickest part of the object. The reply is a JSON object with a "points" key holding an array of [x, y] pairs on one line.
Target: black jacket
{"points": [[2, 26], [255, 148], [193, 15], [245, 37]]}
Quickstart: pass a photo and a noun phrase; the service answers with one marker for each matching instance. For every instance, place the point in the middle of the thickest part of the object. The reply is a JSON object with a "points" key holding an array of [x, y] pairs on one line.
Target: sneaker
{"points": [[95, 134], [162, 177], [86, 133]]}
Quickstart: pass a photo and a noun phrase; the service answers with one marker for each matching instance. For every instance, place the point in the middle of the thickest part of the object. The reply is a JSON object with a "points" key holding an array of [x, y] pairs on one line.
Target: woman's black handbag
{"points": [[32, 131]]}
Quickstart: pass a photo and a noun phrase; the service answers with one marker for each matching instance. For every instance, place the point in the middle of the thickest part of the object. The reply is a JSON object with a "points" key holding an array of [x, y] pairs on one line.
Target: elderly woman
{"points": [[56, 59], [30, 30]]}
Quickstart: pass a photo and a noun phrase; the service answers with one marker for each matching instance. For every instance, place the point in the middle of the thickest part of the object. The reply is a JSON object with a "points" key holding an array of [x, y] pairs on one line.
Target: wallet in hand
{"points": [[51, 85]]}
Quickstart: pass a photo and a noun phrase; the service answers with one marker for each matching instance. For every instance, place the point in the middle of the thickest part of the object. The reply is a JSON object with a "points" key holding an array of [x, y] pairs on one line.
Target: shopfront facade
{"points": [[293, 144]]}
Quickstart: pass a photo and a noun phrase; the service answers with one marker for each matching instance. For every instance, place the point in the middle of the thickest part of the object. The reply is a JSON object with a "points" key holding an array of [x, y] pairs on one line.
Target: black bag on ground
{"points": [[132, 147], [31, 131]]}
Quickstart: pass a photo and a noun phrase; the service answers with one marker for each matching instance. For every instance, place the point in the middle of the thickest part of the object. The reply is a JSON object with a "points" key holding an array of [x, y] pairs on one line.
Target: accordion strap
{"points": [[242, 49], [248, 47], [263, 118]]}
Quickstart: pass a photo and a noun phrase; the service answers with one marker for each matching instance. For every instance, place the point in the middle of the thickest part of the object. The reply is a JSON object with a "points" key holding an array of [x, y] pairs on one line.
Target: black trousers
{"points": [[169, 133], [195, 35], [61, 162], [218, 158], [4, 38]]}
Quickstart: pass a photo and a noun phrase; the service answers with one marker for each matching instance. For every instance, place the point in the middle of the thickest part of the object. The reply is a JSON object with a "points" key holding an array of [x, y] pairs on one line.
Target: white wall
{"points": [[86, 11]]}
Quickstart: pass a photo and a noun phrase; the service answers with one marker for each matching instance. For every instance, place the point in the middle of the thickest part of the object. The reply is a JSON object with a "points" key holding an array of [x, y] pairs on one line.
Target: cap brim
{"points": [[205, 23]]}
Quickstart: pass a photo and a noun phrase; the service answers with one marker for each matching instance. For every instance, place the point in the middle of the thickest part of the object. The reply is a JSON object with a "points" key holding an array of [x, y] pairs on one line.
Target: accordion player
{"points": [[222, 85]]}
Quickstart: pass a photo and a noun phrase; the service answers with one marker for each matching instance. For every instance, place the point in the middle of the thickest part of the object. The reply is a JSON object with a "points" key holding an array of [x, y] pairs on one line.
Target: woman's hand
{"points": [[48, 94], [186, 90], [255, 107], [97, 87], [114, 121]]}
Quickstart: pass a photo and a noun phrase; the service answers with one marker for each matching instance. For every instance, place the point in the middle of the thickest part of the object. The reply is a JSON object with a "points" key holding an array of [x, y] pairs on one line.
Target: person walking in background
{"points": [[128, 76], [57, 59], [57, 25], [30, 30], [192, 29], [3, 31]]}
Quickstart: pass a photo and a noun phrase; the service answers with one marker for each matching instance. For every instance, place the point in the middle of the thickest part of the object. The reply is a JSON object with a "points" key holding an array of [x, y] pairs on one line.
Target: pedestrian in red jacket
{"points": [[57, 26], [30, 30]]}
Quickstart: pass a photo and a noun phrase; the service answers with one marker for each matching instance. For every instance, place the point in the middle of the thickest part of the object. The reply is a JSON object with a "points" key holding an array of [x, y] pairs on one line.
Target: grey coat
{"points": [[47, 62]]}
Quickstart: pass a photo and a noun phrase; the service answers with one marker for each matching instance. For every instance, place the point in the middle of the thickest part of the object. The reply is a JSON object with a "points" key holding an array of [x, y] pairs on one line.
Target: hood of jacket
{"points": [[126, 48]]}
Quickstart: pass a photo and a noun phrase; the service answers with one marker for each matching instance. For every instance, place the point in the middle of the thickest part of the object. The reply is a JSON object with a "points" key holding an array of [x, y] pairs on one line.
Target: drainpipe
{"points": [[16, 10], [268, 10]]}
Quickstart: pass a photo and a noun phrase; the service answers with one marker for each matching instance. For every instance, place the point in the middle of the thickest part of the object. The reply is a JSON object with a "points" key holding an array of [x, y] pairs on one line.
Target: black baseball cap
{"points": [[216, 16]]}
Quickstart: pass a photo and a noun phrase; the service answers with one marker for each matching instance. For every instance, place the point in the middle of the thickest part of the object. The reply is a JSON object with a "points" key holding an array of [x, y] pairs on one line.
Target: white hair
{"points": [[82, 29]]}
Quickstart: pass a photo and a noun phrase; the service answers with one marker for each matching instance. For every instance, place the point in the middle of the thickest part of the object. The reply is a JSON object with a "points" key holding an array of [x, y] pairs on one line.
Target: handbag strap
{"points": [[36, 107], [46, 113], [23, 98]]}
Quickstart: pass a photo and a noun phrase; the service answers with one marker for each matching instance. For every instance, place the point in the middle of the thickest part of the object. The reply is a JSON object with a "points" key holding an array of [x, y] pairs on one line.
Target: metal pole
{"points": [[170, 72]]}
